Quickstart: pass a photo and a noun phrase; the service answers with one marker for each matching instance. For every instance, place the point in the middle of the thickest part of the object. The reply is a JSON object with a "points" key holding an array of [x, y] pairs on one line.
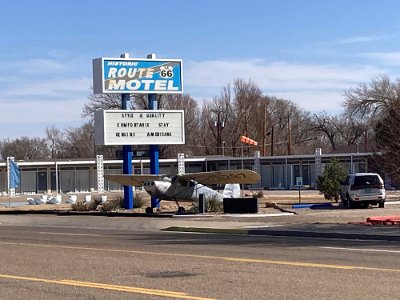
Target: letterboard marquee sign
{"points": [[139, 127]]}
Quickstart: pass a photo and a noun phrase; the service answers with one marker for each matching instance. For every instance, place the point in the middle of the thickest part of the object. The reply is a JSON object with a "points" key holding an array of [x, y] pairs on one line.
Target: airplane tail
{"points": [[232, 190]]}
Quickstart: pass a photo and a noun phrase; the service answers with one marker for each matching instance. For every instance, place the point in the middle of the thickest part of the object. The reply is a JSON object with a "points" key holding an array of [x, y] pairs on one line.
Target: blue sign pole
{"points": [[127, 162], [154, 150]]}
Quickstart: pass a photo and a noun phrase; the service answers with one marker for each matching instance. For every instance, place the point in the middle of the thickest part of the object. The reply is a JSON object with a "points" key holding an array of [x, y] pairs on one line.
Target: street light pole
{"points": [[265, 130], [289, 141], [272, 140], [220, 125]]}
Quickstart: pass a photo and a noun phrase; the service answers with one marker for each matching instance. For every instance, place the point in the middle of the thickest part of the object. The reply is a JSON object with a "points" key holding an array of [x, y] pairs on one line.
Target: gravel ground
{"points": [[283, 199]]}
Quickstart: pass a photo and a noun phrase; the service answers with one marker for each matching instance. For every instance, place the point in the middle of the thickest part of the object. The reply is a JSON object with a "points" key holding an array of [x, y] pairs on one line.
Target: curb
{"points": [[84, 213]]}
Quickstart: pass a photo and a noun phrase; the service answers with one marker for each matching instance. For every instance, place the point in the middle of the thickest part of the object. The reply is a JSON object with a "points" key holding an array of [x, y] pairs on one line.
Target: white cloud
{"points": [[389, 58], [35, 112], [362, 39], [313, 87], [47, 88], [315, 101], [33, 107], [31, 118], [41, 66]]}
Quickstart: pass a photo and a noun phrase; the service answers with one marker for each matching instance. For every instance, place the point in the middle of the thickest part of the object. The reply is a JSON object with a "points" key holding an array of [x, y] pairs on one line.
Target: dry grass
{"points": [[257, 194], [141, 200], [284, 199], [114, 203]]}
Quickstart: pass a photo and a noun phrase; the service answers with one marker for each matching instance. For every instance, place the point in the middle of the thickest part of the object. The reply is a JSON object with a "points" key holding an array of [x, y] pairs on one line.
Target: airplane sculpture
{"points": [[187, 186]]}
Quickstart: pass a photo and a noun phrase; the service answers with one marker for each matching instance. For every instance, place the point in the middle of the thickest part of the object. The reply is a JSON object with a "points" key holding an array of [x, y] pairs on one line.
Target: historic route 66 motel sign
{"points": [[131, 127], [126, 75]]}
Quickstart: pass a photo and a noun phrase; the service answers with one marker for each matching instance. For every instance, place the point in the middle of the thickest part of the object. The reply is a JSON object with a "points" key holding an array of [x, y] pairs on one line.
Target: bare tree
{"points": [[327, 126], [246, 114], [288, 128], [247, 99], [101, 101], [56, 141], [192, 124], [214, 124], [388, 140], [114, 101], [369, 100], [243, 110], [25, 148], [79, 142], [302, 139], [344, 132], [368, 104]]}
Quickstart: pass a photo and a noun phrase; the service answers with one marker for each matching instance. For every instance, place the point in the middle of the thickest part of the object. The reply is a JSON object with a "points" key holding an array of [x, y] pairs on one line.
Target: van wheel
{"points": [[381, 204]]}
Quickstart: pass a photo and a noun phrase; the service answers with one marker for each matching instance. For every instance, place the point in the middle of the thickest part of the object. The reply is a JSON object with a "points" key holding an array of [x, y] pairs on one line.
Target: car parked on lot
{"points": [[362, 189]]}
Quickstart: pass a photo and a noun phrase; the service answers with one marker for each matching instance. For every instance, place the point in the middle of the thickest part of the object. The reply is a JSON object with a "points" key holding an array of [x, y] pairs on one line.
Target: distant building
{"points": [[80, 175]]}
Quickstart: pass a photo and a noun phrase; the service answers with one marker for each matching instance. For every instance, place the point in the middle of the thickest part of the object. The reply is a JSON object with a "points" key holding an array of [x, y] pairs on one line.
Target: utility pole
{"points": [[289, 141], [366, 140], [220, 125], [272, 140], [265, 130]]}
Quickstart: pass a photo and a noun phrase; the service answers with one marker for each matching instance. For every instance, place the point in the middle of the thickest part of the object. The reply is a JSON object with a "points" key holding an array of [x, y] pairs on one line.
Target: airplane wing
{"points": [[132, 180], [214, 177], [223, 177]]}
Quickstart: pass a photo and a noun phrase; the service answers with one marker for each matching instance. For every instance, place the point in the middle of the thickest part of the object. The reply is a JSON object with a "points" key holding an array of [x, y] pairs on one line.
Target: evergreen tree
{"points": [[329, 182]]}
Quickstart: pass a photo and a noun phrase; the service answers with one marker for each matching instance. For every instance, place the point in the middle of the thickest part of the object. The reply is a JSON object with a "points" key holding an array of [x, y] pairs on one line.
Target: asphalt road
{"points": [[52, 257]]}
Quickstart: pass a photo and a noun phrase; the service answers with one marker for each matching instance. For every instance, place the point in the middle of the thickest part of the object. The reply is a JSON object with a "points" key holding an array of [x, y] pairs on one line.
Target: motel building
{"points": [[81, 175]]}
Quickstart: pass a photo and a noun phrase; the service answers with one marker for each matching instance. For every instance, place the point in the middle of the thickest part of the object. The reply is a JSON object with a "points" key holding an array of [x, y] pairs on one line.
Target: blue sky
{"points": [[308, 52]]}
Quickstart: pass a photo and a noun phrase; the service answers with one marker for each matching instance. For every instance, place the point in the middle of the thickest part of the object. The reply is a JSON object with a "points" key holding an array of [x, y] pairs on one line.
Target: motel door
{"points": [[42, 182]]}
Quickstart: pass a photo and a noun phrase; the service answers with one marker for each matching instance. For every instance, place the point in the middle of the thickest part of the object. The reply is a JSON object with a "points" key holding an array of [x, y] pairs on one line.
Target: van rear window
{"points": [[367, 180]]}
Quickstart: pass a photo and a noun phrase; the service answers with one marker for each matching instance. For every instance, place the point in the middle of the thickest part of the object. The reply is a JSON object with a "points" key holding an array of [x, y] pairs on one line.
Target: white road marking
{"points": [[72, 234], [361, 249], [263, 226], [256, 215]]}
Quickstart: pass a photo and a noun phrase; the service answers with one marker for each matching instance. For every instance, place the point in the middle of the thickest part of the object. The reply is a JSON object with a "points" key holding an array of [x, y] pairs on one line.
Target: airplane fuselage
{"points": [[176, 190]]}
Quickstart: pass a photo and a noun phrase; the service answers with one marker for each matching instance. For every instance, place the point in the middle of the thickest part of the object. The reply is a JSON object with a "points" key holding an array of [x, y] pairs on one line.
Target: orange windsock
{"points": [[247, 140]]}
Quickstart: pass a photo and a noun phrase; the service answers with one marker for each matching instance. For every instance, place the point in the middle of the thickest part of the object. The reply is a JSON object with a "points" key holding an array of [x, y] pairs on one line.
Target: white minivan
{"points": [[362, 189]]}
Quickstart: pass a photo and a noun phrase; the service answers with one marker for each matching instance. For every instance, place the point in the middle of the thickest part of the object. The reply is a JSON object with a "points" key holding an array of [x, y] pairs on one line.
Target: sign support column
{"points": [[127, 155], [127, 162], [154, 149]]}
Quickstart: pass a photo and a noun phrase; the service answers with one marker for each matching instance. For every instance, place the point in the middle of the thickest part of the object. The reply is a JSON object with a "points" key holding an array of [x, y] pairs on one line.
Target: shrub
{"points": [[111, 205], [92, 205], [89, 206], [329, 182], [140, 200], [214, 204], [194, 209], [258, 194], [78, 206]]}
